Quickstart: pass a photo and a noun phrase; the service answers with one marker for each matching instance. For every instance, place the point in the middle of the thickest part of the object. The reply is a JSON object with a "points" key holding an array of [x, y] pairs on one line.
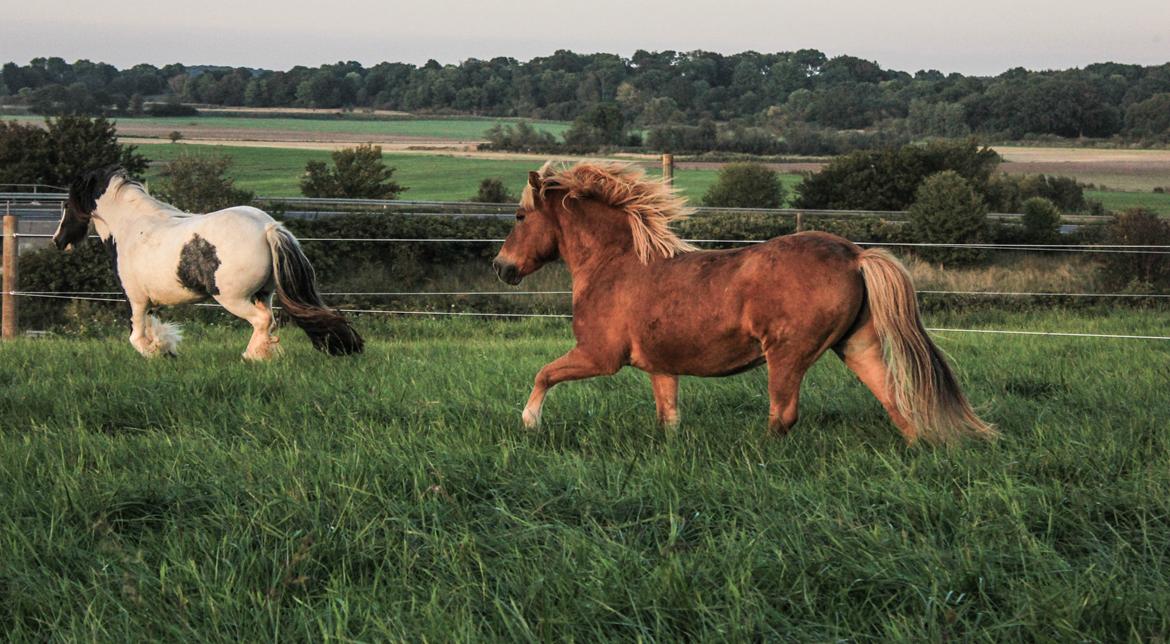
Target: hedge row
{"points": [[364, 266]]}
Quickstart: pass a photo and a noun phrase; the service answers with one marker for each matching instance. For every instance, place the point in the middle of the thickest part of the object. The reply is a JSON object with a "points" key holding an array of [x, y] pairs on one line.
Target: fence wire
{"points": [[568, 316]]}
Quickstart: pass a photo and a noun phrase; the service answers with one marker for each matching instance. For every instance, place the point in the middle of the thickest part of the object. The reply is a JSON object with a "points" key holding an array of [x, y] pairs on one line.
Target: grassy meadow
{"points": [[395, 496], [271, 171], [1117, 201], [276, 172]]}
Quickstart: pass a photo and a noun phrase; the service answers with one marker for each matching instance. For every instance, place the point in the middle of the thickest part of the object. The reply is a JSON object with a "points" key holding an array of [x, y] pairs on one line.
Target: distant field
{"points": [[276, 171], [1118, 201], [227, 127]]}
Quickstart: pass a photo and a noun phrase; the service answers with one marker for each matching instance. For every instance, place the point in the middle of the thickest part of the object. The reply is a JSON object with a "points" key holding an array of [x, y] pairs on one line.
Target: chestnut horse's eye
{"points": [[519, 215]]}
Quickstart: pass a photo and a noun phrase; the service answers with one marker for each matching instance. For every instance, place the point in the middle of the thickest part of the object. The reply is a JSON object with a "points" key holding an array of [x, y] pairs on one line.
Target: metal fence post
{"points": [[8, 300]]}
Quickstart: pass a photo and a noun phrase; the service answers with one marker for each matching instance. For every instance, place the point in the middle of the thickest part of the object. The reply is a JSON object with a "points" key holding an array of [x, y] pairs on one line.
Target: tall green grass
{"points": [[394, 495]]}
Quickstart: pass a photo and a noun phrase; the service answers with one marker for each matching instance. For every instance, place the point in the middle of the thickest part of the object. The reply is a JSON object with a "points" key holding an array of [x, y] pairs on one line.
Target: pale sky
{"points": [[972, 36]]}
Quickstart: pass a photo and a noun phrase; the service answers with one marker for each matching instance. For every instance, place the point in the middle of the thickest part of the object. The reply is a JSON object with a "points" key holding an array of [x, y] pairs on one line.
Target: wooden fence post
{"points": [[668, 167], [799, 221], [8, 303]]}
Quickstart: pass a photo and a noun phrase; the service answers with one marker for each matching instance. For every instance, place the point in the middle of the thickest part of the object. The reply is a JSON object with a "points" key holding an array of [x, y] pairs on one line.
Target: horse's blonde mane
{"points": [[650, 204]]}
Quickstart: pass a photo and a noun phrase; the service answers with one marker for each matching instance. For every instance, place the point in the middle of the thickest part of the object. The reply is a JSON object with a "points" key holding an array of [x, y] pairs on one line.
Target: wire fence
{"points": [[1137, 249], [1129, 249]]}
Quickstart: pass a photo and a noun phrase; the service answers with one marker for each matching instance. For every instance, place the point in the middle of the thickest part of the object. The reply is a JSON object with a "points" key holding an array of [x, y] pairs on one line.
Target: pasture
{"points": [[394, 495], [277, 171]]}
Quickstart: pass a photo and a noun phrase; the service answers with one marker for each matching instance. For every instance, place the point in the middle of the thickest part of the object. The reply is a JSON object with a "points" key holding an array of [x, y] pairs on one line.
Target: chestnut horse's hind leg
{"points": [[258, 312], [574, 365], [666, 399], [862, 353], [785, 373]]}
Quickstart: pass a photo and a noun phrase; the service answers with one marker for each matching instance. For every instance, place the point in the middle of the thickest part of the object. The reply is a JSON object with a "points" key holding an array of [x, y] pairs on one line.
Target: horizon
{"points": [[121, 66], [983, 40]]}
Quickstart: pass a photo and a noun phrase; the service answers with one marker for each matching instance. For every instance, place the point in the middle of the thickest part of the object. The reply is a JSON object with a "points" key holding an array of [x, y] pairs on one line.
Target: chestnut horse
{"points": [[644, 297]]}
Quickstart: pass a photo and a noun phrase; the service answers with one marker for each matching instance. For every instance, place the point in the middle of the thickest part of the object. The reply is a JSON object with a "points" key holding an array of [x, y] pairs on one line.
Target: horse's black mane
{"points": [[90, 187]]}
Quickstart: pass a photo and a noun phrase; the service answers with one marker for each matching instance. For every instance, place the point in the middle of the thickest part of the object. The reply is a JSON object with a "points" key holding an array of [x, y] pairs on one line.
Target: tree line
{"points": [[683, 101]]}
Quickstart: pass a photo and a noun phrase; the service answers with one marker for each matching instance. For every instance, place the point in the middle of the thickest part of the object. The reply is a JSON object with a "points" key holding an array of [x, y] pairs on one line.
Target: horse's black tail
{"points": [[296, 288]]}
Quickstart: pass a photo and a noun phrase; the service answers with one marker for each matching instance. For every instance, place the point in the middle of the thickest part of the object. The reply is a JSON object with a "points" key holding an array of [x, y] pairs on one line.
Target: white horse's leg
{"points": [[258, 312], [139, 335]]}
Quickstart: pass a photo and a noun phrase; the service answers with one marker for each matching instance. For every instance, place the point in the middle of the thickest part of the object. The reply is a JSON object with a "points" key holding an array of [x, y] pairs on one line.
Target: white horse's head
{"points": [[82, 203]]}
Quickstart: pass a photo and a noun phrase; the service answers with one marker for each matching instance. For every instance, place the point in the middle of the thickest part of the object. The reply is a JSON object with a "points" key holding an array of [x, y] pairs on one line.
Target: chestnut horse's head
{"points": [[534, 240]]}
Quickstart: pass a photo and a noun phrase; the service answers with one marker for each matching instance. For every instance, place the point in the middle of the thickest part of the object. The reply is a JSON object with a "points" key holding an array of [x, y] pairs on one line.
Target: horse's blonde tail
{"points": [[924, 388], [296, 288], [163, 337]]}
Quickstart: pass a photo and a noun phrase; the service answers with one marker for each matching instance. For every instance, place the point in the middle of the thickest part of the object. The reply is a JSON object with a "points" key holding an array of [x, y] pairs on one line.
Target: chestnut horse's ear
{"points": [[534, 180]]}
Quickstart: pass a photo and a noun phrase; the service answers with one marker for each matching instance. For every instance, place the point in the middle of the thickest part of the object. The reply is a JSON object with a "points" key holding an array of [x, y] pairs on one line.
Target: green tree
{"points": [[68, 147], [520, 138], [1041, 221], [493, 190], [746, 185], [1149, 119], [937, 119], [947, 210], [23, 153], [1137, 272], [602, 124], [199, 183], [889, 178], [357, 173], [78, 144]]}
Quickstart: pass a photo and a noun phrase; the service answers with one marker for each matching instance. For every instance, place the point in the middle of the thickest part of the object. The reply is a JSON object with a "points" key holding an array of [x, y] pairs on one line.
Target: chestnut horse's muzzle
{"points": [[506, 271]]}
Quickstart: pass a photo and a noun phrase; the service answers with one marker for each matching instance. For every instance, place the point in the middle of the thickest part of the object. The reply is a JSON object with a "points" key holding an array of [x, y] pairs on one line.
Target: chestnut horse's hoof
{"points": [[531, 419], [778, 431]]}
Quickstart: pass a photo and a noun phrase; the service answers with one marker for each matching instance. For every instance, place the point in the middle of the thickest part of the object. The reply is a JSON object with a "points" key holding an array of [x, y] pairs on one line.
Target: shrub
{"points": [[888, 179], [87, 269], [746, 185], [492, 190], [1137, 272], [198, 183], [171, 108], [947, 210], [66, 148], [1041, 221], [520, 138], [357, 173]]}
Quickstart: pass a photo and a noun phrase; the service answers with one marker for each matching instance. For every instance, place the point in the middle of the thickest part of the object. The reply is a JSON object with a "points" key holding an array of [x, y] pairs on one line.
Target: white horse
{"points": [[239, 257]]}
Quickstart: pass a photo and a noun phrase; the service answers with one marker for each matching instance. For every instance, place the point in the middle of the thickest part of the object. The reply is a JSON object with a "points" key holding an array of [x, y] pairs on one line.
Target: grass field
{"points": [[394, 496], [461, 129], [1118, 201], [277, 171]]}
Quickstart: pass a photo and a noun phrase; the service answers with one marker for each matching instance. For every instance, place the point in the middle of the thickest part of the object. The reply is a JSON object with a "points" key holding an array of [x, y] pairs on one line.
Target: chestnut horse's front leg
{"points": [[574, 365], [666, 399]]}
